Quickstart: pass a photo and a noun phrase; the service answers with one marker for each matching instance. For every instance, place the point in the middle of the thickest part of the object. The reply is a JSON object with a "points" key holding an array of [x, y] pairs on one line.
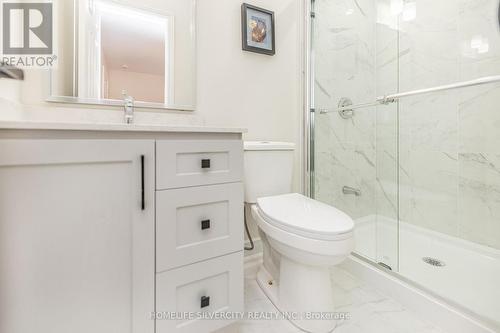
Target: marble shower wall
{"points": [[449, 142]]}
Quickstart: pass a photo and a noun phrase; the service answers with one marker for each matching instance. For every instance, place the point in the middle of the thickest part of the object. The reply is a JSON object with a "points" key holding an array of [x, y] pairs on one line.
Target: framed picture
{"points": [[257, 27]]}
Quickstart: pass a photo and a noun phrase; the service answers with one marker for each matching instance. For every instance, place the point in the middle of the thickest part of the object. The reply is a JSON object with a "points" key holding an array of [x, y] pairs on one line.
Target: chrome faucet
{"points": [[128, 107], [351, 190]]}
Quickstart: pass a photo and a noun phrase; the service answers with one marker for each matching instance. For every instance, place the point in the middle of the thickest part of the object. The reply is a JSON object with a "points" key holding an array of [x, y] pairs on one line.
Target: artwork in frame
{"points": [[257, 29]]}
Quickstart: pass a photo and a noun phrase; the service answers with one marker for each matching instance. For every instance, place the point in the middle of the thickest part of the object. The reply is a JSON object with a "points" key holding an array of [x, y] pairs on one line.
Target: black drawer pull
{"points": [[205, 164], [205, 301], [143, 199], [205, 224]]}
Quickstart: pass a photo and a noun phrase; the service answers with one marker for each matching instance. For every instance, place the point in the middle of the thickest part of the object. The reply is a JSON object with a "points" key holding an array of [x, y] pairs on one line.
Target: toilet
{"points": [[302, 238]]}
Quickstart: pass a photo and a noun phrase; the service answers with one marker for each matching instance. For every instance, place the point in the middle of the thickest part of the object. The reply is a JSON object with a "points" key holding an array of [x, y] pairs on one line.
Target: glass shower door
{"points": [[420, 175], [355, 58], [449, 153]]}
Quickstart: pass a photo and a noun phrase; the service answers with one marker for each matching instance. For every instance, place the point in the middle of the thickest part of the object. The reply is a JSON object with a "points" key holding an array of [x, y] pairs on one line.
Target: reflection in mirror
{"points": [[121, 49], [132, 50]]}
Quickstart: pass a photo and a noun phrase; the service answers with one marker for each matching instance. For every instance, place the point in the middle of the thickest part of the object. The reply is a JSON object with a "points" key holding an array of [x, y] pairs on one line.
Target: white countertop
{"points": [[28, 125]]}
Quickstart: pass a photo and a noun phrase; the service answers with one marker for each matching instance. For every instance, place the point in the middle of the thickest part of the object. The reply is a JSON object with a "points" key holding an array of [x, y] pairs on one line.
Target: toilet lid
{"points": [[304, 216]]}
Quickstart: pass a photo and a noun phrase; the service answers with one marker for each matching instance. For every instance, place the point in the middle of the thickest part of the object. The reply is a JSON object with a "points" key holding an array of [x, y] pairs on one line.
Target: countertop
{"points": [[80, 126]]}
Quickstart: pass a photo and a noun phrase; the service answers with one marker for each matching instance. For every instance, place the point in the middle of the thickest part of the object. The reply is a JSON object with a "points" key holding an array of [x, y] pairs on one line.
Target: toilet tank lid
{"points": [[268, 145]]}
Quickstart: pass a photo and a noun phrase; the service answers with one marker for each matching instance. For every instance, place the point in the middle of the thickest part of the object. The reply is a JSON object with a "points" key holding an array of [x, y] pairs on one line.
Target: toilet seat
{"points": [[305, 217], [304, 249]]}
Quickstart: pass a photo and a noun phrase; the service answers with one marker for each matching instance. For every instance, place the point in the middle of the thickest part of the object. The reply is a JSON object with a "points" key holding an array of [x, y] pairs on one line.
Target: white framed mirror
{"points": [[110, 50]]}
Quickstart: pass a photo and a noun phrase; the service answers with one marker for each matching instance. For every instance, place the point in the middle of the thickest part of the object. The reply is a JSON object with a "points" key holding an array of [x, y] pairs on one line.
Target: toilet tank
{"points": [[268, 169]]}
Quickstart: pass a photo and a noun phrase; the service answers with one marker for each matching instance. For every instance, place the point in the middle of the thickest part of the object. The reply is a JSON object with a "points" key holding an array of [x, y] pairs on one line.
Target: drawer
{"points": [[213, 286], [198, 223], [193, 163]]}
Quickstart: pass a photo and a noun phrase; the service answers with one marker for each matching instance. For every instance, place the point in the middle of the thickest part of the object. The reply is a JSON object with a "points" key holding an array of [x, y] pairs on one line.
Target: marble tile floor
{"points": [[370, 311]]}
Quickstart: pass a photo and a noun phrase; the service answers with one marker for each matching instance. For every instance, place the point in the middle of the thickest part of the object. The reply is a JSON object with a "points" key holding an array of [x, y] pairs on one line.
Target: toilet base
{"points": [[306, 292]]}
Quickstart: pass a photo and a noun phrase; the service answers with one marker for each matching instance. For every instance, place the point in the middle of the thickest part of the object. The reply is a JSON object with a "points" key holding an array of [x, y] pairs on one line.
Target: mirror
{"points": [[112, 49]]}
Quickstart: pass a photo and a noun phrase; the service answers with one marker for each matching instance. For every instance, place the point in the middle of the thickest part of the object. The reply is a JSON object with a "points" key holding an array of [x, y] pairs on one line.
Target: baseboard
{"points": [[435, 310]]}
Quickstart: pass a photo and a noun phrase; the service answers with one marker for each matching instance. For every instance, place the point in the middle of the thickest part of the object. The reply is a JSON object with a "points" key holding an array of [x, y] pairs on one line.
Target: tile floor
{"points": [[370, 311]]}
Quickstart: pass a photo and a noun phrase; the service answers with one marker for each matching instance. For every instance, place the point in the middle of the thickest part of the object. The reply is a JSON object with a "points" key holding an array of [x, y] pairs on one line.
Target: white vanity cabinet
{"points": [[76, 246], [100, 228], [199, 233]]}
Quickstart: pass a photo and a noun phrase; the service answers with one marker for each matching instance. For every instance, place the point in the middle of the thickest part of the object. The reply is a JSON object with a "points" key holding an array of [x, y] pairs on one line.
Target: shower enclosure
{"points": [[405, 137]]}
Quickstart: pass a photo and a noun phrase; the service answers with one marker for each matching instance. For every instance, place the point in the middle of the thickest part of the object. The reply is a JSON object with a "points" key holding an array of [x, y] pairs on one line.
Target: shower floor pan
{"points": [[466, 273]]}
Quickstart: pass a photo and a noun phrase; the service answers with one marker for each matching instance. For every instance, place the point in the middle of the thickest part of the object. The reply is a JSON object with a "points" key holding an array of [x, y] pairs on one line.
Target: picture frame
{"points": [[257, 29]]}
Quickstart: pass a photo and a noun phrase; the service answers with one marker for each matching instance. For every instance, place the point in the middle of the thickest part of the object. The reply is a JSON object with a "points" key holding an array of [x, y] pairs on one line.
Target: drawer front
{"points": [[198, 223], [193, 163], [209, 287]]}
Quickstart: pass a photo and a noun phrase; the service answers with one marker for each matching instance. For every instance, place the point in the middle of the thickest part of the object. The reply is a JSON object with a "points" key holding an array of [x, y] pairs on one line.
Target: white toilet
{"points": [[302, 238]]}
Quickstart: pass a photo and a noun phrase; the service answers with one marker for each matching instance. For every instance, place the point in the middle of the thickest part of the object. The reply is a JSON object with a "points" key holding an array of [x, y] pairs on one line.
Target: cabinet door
{"points": [[76, 243]]}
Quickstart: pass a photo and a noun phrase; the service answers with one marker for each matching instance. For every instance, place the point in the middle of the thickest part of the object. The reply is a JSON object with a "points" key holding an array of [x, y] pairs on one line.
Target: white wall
{"points": [[259, 92], [234, 88]]}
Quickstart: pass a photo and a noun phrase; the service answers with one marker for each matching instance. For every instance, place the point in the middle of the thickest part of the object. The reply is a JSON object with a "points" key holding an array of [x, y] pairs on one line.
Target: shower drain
{"points": [[434, 262]]}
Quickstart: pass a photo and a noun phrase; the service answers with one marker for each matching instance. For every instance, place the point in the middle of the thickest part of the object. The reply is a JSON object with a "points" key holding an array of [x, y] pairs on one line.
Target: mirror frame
{"points": [[114, 102]]}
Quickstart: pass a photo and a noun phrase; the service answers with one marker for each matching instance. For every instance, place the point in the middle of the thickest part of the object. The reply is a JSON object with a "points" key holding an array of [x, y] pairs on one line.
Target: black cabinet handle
{"points": [[143, 200], [205, 224], [205, 164], [205, 301]]}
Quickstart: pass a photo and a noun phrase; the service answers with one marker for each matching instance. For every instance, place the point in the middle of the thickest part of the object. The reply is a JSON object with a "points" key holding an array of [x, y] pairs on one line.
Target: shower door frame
{"points": [[309, 125]]}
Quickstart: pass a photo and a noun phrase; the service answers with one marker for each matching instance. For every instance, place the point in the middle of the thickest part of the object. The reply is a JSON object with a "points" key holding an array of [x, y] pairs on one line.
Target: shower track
{"points": [[387, 99]]}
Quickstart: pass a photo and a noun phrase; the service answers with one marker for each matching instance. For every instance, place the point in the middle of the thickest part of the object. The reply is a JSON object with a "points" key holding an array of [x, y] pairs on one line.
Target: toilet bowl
{"points": [[310, 237], [302, 238]]}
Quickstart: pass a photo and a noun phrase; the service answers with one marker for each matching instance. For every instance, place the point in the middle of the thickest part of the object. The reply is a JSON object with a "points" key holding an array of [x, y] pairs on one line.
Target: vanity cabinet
{"points": [[101, 229], [199, 233], [76, 238]]}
